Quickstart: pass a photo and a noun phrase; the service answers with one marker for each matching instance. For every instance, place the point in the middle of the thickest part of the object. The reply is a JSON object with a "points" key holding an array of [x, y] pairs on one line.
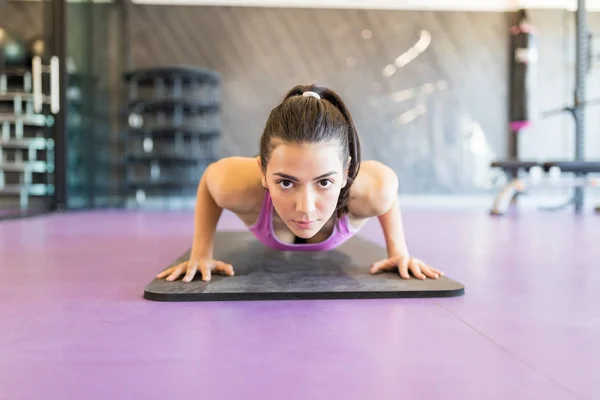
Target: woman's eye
{"points": [[325, 183], [285, 184]]}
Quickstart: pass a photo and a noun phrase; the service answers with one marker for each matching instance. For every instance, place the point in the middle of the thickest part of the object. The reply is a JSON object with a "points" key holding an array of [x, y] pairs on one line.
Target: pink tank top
{"points": [[263, 230]]}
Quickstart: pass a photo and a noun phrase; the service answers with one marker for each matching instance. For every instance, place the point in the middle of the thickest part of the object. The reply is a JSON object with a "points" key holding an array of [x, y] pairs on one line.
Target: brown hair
{"points": [[305, 119]]}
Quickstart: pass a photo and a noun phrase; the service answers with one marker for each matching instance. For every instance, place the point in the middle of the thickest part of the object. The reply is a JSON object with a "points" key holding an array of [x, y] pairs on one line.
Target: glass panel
{"points": [[92, 63], [32, 128]]}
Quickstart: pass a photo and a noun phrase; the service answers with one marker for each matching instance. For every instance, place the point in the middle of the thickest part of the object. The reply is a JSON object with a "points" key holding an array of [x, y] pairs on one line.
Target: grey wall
{"points": [[438, 121]]}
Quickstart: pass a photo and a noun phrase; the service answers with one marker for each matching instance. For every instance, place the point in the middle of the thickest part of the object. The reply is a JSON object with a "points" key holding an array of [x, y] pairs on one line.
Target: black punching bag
{"points": [[523, 65]]}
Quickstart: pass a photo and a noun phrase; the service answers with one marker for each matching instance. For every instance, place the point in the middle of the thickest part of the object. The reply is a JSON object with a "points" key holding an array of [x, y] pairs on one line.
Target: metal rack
{"points": [[515, 168], [173, 118], [26, 150]]}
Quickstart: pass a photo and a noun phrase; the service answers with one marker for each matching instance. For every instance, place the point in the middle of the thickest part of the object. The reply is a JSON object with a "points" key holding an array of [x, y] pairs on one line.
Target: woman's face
{"points": [[305, 183]]}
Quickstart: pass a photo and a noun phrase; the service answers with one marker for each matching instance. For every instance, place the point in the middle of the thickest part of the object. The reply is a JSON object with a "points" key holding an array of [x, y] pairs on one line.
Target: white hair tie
{"points": [[311, 94]]}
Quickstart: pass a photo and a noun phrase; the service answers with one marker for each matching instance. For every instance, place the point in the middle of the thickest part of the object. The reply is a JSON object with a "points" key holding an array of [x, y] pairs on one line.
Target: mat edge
{"points": [[194, 297]]}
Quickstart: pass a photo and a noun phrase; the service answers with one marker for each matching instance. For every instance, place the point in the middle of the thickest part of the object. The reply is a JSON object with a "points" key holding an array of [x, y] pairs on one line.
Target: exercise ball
{"points": [[12, 50]]}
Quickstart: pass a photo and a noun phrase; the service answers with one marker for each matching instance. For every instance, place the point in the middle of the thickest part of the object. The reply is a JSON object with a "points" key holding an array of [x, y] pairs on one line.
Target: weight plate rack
{"points": [[173, 129]]}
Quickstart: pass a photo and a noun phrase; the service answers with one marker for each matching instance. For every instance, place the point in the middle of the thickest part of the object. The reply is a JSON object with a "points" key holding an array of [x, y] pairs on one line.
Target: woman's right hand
{"points": [[191, 267]]}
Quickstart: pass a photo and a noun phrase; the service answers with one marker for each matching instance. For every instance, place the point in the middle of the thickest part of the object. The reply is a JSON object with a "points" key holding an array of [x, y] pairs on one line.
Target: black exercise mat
{"points": [[265, 274]]}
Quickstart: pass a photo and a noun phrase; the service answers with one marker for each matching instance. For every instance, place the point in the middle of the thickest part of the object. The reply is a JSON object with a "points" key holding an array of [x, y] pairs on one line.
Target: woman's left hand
{"points": [[405, 264]]}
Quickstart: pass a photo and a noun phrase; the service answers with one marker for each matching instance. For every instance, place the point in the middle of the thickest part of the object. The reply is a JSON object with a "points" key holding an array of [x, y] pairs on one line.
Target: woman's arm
{"points": [[207, 214], [376, 195], [228, 184], [225, 184], [393, 230]]}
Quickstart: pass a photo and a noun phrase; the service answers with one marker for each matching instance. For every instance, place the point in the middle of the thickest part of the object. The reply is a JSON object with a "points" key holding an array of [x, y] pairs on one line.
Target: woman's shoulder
{"points": [[234, 183], [373, 191]]}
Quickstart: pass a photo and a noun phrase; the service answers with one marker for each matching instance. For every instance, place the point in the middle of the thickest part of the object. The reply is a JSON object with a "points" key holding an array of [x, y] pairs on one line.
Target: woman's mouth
{"points": [[304, 224]]}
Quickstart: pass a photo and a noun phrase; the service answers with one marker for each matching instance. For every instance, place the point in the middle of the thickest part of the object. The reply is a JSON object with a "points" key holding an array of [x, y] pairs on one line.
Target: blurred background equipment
{"points": [[59, 94], [26, 149], [524, 66], [173, 119], [13, 52]]}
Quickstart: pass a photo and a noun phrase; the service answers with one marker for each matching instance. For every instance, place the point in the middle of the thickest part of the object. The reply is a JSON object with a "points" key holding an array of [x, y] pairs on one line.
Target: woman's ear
{"points": [[346, 171], [263, 179]]}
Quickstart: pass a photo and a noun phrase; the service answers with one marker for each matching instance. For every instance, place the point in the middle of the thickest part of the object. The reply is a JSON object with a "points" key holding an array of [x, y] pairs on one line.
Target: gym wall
{"points": [[438, 121]]}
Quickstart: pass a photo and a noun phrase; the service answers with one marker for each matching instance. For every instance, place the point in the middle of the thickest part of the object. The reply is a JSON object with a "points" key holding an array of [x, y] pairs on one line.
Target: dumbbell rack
{"points": [[173, 118], [26, 150]]}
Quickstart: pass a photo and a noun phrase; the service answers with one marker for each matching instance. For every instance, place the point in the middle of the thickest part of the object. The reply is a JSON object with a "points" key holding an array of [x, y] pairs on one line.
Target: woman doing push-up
{"points": [[308, 190]]}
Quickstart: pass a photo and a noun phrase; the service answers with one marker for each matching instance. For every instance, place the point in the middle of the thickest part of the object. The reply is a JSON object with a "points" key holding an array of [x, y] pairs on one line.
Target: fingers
{"points": [[181, 267], [191, 272], [425, 271], [176, 271], [402, 264], [224, 268], [218, 267], [430, 272], [166, 272], [403, 267], [384, 265], [205, 271], [189, 269], [406, 266], [171, 271]]}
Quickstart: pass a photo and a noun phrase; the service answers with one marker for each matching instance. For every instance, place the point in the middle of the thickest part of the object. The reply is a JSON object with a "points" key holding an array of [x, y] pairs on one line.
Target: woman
{"points": [[307, 190]]}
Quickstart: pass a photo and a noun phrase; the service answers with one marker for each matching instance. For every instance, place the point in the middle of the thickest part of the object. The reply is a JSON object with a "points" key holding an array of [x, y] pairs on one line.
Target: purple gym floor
{"points": [[74, 325]]}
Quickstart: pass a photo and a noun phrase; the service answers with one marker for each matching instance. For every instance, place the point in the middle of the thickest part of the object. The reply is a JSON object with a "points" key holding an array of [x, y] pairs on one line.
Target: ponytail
{"points": [[352, 146]]}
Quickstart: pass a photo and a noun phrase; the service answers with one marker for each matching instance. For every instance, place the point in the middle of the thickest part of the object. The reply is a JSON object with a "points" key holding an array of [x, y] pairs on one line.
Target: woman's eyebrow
{"points": [[293, 178]]}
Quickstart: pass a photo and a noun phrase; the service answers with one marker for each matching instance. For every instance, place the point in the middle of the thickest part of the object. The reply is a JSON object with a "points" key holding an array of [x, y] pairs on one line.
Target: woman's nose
{"points": [[306, 202]]}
